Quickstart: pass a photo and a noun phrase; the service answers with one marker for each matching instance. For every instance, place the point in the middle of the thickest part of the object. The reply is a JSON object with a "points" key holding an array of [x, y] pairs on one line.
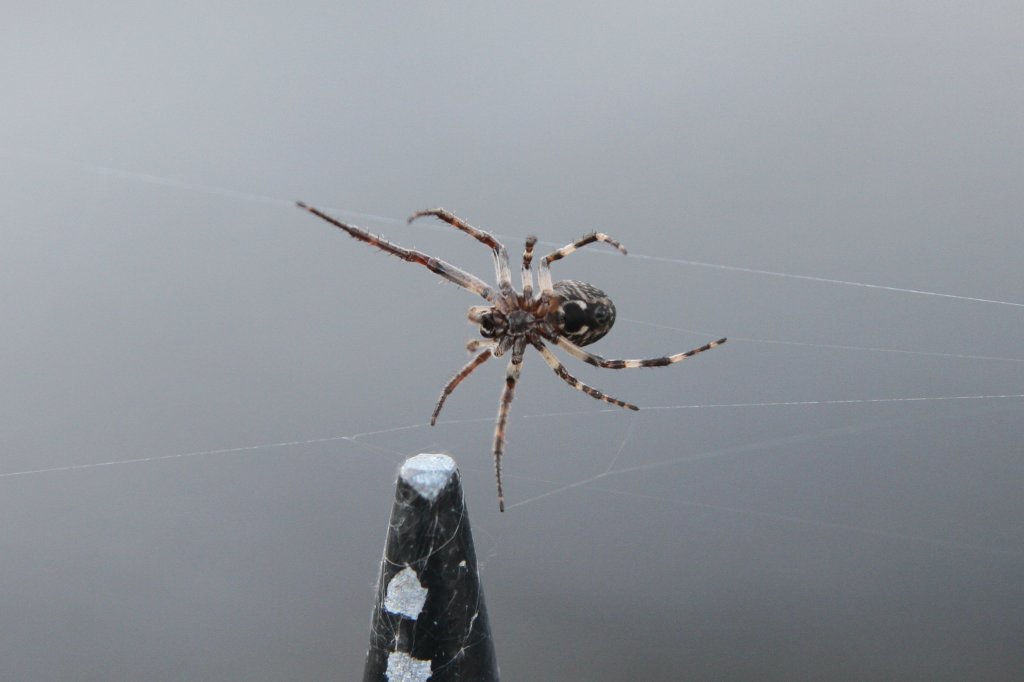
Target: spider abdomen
{"points": [[585, 313]]}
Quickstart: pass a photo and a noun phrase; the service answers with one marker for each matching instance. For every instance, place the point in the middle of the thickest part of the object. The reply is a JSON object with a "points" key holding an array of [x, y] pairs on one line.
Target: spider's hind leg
{"points": [[598, 361], [563, 373]]}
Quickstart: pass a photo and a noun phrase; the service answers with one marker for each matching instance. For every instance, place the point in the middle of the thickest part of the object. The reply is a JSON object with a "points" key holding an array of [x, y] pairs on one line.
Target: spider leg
{"points": [[501, 267], [598, 361], [560, 370], [445, 270], [544, 270], [527, 274], [456, 380], [476, 344], [507, 393], [518, 349]]}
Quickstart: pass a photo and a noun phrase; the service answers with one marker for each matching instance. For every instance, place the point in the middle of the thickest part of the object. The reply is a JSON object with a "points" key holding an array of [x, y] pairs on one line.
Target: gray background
{"points": [[161, 298]]}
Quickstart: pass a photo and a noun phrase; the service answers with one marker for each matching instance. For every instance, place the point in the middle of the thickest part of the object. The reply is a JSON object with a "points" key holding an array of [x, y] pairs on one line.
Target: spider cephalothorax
{"points": [[574, 310], [569, 314]]}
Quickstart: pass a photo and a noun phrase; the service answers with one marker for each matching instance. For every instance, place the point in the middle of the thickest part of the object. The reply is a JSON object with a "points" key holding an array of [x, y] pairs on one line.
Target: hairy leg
{"points": [[445, 270], [507, 393], [501, 267], [456, 380]]}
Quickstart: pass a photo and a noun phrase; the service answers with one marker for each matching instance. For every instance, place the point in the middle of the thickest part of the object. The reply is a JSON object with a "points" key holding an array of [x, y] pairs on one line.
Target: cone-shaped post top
{"points": [[429, 619], [428, 474]]}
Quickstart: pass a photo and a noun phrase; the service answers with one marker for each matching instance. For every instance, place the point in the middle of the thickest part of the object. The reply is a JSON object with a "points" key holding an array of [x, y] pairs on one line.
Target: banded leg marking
{"points": [[599, 361], [544, 270], [527, 274], [562, 372]]}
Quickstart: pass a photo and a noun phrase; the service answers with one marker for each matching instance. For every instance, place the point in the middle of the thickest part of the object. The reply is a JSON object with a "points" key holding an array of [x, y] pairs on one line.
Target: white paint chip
{"points": [[428, 474], [404, 668], [405, 595]]}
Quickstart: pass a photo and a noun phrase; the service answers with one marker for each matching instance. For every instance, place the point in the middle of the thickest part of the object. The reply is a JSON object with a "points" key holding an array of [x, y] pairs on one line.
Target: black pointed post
{"points": [[429, 620]]}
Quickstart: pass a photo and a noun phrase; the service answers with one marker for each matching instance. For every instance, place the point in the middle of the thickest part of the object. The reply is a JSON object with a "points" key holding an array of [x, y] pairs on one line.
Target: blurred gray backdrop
{"points": [[214, 390]]}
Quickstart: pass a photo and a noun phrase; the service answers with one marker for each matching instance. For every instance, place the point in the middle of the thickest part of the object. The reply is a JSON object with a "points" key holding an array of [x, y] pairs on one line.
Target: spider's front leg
{"points": [[457, 379], [501, 267], [507, 393], [445, 270]]}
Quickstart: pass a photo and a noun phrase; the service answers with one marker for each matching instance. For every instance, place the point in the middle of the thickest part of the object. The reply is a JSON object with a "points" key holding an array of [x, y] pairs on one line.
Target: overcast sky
{"points": [[187, 359]]}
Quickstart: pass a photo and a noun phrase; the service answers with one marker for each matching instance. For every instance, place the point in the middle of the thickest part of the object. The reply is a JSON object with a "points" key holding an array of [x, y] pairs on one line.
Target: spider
{"points": [[568, 313]]}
